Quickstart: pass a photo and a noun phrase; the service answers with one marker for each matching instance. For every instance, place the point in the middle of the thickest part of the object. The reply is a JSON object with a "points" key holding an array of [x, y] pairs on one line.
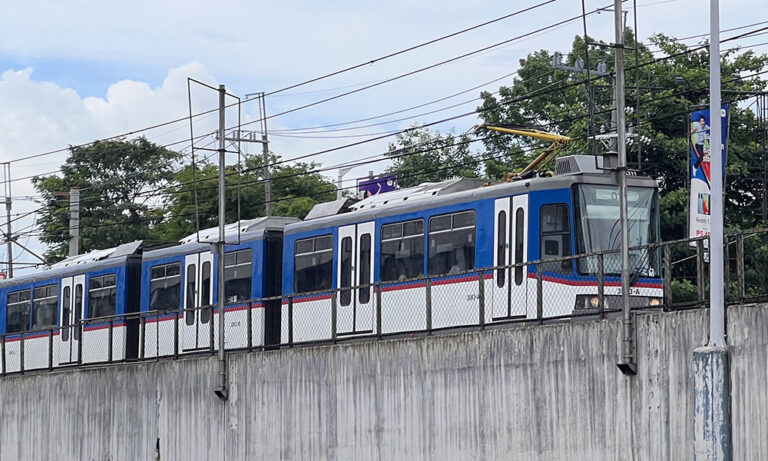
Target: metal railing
{"points": [[533, 292]]}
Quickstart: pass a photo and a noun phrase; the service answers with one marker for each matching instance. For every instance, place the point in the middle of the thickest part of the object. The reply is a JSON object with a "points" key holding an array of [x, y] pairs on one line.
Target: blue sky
{"points": [[71, 72]]}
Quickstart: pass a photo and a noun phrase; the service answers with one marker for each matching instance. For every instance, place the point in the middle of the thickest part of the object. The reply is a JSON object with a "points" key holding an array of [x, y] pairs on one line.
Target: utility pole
{"points": [[8, 236], [711, 400], [221, 388], [74, 221], [253, 137], [627, 364], [342, 171]]}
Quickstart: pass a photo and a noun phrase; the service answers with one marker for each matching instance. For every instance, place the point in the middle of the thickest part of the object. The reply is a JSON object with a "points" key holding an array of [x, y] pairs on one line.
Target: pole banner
{"points": [[699, 217]]}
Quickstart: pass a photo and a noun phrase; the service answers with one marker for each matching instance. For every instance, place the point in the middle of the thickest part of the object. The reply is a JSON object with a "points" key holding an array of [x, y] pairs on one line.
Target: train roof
{"points": [[94, 260], [249, 230], [570, 170]]}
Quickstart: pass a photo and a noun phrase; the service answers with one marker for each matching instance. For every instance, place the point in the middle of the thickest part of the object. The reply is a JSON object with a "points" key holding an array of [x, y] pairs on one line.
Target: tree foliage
{"points": [[557, 101], [113, 177], [421, 155], [295, 190]]}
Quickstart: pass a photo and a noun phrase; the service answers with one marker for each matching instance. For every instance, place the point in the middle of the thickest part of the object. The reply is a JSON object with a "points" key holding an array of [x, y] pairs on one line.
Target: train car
{"points": [[71, 313], [442, 234], [179, 290]]}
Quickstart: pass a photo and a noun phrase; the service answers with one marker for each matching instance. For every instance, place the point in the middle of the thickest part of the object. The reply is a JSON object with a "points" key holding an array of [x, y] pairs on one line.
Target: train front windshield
{"points": [[598, 228]]}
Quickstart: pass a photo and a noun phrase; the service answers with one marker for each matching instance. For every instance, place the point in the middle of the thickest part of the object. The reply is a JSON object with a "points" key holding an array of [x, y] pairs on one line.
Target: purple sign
{"points": [[373, 186]]}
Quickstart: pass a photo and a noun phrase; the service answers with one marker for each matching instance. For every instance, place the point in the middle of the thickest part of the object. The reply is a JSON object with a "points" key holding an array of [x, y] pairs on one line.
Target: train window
{"points": [[165, 287], [313, 264], [102, 296], [44, 307], [205, 293], [519, 245], [66, 298], [451, 247], [17, 312], [364, 271], [555, 239], [189, 312], [78, 309], [237, 276], [402, 250], [345, 276], [501, 248]]}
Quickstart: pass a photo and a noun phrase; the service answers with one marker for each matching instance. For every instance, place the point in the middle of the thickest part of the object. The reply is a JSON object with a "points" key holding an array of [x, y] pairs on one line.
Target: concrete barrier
{"points": [[538, 392]]}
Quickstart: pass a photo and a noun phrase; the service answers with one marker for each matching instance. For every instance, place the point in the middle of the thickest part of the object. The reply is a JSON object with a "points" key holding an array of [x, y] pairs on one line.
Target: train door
{"points": [[198, 300], [518, 277], [510, 247], [70, 314], [355, 312]]}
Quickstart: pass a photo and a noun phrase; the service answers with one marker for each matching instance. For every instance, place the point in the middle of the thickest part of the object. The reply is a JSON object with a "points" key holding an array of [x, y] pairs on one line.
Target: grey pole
{"points": [[8, 240], [221, 389], [716, 292], [265, 153], [74, 221], [711, 376], [627, 364]]}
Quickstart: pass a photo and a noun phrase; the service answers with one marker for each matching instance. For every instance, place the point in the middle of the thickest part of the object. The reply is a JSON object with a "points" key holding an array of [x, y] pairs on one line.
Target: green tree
{"points": [[112, 177], [556, 101], [295, 190], [421, 155]]}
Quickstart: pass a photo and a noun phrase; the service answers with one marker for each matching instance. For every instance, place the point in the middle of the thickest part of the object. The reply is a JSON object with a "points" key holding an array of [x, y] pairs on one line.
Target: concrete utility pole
{"points": [[221, 388], [627, 363], [74, 221], [711, 401], [8, 236]]}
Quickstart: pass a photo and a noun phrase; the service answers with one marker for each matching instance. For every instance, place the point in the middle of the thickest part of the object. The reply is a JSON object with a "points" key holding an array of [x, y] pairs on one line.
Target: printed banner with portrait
{"points": [[699, 201]]}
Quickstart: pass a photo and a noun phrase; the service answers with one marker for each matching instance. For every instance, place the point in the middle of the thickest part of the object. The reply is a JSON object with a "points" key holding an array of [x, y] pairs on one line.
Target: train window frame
{"points": [[519, 244], [79, 299], [322, 279], [206, 308], [411, 230], [50, 300], [66, 311], [345, 272], [437, 267], [365, 252], [18, 302], [501, 248], [566, 266], [189, 294], [98, 284], [155, 278], [235, 263]]}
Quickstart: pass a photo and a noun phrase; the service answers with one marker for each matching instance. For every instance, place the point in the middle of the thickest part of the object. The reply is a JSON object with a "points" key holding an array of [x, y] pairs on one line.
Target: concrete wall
{"points": [[549, 393]]}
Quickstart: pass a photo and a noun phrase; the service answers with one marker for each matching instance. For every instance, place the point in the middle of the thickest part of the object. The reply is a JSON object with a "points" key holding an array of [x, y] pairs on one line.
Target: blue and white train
{"points": [[344, 271]]}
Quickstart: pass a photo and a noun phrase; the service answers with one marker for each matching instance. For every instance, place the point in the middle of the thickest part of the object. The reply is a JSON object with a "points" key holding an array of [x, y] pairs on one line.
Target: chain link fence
{"points": [[663, 277]]}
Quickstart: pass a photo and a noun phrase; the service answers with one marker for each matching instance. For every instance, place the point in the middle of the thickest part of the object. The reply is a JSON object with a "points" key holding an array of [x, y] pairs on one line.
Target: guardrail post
{"points": [[727, 268], [142, 346], [539, 294], [377, 291], [290, 320], [3, 357], [667, 255], [249, 317], [481, 298], [740, 266], [50, 349], [428, 295], [211, 330], [21, 352], [700, 270], [80, 329], [601, 284], [176, 319], [111, 340], [334, 312], [157, 336]]}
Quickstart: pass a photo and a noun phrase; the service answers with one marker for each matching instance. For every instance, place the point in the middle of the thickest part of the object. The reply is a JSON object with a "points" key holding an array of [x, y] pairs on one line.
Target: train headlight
{"points": [[655, 302], [594, 301]]}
